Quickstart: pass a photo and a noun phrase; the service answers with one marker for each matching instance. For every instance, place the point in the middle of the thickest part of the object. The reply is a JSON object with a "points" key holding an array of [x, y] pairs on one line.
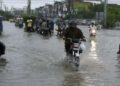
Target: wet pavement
{"points": [[34, 60]]}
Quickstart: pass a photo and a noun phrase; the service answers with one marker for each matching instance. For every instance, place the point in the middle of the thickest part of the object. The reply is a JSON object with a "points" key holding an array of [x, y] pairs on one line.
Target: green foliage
{"points": [[6, 14], [90, 13], [97, 7], [82, 13], [113, 16], [25, 17], [113, 13], [110, 19]]}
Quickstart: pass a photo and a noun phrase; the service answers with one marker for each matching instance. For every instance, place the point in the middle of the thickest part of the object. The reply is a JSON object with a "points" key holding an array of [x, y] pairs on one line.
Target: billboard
{"points": [[81, 5]]}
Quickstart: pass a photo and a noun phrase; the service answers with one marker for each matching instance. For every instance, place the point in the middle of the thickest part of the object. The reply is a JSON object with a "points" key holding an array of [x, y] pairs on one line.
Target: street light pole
{"points": [[105, 13], [29, 7]]}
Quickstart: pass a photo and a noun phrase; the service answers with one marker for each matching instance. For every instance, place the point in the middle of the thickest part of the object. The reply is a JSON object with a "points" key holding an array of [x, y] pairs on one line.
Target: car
{"points": [[84, 22]]}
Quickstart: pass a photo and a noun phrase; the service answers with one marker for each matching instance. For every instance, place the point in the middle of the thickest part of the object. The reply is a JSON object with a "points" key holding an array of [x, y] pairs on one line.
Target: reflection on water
{"points": [[92, 63], [3, 62], [93, 53]]}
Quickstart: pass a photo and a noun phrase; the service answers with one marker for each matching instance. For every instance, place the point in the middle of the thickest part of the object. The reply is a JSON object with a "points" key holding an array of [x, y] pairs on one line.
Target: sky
{"points": [[23, 3], [36, 3]]}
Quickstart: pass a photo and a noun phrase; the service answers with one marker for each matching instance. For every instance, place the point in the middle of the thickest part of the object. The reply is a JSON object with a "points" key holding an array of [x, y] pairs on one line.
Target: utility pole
{"points": [[70, 8], [29, 7], [1, 2], [105, 13]]}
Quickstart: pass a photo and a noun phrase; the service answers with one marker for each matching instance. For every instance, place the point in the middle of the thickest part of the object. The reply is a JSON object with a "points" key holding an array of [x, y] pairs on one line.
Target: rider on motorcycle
{"points": [[92, 29], [61, 25], [92, 26], [72, 32], [45, 27]]}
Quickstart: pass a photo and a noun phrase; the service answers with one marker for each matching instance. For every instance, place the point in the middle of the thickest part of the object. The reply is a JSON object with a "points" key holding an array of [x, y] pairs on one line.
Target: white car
{"points": [[84, 22]]}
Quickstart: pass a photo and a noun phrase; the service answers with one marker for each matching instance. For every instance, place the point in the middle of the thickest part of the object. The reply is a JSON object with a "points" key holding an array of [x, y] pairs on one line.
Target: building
{"points": [[25, 9], [18, 11], [60, 8]]}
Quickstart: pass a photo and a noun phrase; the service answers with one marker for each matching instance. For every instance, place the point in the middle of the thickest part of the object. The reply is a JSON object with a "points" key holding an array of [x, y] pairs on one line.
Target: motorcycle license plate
{"points": [[76, 45]]}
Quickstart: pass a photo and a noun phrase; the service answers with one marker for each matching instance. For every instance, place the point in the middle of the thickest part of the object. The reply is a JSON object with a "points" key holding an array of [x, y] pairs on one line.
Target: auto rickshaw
{"points": [[19, 22]]}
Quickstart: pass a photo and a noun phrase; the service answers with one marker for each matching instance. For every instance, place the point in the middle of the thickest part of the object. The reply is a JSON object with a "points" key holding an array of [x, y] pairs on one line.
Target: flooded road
{"points": [[34, 60]]}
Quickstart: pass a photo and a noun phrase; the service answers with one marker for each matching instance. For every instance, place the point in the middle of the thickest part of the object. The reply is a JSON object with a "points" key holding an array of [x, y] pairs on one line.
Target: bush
{"points": [[6, 14]]}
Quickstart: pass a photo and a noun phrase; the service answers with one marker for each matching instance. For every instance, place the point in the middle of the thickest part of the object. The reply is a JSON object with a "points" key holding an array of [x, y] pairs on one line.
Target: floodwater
{"points": [[34, 60]]}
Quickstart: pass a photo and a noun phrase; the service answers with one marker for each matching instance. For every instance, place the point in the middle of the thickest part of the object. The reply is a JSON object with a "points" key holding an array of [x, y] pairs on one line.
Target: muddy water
{"points": [[34, 60]]}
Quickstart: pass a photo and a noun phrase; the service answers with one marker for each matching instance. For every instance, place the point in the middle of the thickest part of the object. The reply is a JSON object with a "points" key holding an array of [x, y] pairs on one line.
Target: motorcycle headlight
{"points": [[93, 31]]}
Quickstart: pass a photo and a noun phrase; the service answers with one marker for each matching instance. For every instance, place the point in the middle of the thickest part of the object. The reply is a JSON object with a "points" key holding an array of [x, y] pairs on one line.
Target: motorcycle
{"points": [[60, 31], [45, 32], [73, 55], [93, 32]]}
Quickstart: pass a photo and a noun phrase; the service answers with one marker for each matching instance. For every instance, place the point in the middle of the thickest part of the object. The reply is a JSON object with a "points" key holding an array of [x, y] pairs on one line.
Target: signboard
{"points": [[81, 5]]}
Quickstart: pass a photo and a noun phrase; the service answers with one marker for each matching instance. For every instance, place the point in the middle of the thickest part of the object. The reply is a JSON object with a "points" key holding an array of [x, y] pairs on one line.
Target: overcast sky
{"points": [[36, 3]]}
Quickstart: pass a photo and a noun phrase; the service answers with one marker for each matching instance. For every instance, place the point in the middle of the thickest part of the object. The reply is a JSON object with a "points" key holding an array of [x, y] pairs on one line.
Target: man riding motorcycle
{"points": [[61, 26], [45, 29], [92, 29], [74, 33]]}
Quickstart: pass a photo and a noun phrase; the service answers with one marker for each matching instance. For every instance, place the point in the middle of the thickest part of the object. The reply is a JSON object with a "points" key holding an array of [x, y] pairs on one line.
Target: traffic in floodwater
{"points": [[37, 60]]}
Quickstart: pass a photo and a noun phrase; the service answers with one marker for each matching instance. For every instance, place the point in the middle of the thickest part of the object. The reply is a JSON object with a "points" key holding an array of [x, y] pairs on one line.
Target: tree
{"points": [[6, 14], [113, 15]]}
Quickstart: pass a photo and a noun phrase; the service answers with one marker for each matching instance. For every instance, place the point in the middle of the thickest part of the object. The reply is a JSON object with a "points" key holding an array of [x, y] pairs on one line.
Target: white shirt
{"points": [[92, 27]]}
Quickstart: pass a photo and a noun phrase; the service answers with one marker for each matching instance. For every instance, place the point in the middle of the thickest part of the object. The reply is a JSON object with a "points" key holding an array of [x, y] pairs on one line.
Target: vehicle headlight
{"points": [[93, 31]]}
